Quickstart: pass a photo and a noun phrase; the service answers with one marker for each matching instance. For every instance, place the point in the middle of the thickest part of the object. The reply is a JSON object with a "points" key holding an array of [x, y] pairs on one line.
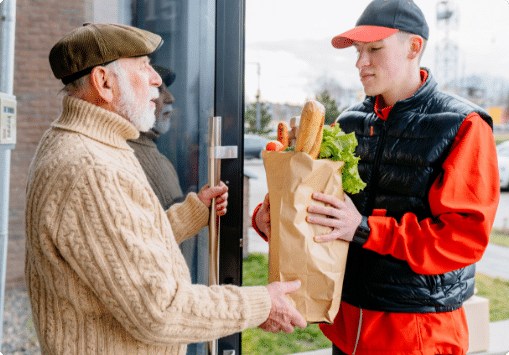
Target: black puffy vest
{"points": [[400, 159]]}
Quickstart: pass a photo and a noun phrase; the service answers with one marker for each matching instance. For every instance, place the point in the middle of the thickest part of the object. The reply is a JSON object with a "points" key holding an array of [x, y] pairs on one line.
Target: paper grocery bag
{"points": [[292, 177]]}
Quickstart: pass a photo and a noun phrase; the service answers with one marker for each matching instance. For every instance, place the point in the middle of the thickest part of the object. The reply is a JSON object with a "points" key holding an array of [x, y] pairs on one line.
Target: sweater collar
{"points": [[96, 123]]}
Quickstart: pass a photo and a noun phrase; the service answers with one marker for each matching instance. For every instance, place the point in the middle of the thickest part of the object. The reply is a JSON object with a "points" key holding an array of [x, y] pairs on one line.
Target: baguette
{"points": [[315, 150], [309, 137]]}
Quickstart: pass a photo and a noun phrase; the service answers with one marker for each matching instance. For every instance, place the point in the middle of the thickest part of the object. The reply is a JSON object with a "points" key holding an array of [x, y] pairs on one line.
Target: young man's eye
{"points": [[375, 49]]}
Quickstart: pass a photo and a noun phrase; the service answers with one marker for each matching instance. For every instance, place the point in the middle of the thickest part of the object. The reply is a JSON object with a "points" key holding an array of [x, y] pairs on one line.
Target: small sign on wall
{"points": [[7, 119]]}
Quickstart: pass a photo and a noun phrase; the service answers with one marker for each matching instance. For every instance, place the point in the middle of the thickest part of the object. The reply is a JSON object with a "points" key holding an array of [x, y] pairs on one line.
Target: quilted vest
{"points": [[400, 159]]}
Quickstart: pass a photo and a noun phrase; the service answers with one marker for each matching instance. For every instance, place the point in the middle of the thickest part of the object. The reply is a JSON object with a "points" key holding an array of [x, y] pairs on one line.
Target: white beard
{"points": [[163, 122], [140, 114]]}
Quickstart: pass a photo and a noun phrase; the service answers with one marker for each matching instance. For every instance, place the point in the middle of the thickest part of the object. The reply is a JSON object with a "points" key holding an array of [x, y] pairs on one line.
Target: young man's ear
{"points": [[416, 46], [101, 80]]}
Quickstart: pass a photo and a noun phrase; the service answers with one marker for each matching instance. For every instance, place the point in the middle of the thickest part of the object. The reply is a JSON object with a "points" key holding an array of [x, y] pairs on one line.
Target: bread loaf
{"points": [[310, 133]]}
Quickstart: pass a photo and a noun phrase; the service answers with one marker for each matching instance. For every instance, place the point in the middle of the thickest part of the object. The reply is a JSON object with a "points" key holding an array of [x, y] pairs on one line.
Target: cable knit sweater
{"points": [[103, 269]]}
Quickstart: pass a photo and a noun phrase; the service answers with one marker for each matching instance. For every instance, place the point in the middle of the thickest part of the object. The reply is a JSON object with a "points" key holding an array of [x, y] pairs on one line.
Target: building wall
{"points": [[39, 24]]}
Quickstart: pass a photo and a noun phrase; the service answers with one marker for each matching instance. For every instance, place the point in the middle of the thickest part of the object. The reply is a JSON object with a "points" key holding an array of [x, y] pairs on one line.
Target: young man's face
{"points": [[383, 66]]}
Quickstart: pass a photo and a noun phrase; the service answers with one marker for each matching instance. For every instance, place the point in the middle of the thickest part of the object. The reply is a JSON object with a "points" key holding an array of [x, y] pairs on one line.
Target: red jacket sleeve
{"points": [[463, 201]]}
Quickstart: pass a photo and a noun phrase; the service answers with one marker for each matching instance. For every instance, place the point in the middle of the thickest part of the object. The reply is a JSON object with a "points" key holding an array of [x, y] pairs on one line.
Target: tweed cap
{"points": [[86, 47]]}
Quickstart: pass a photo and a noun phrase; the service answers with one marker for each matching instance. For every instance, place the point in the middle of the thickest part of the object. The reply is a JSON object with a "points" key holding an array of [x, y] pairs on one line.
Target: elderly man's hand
{"points": [[220, 193], [262, 218], [283, 316]]}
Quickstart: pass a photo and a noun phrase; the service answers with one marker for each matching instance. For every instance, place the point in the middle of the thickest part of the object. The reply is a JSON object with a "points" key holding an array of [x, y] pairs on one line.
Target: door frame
{"points": [[229, 104]]}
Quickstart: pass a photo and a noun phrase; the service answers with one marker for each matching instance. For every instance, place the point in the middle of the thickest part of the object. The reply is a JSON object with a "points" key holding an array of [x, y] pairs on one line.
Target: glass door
{"points": [[204, 47]]}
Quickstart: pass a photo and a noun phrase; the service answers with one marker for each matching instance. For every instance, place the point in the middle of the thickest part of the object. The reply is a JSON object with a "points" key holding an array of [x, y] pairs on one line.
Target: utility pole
{"points": [[446, 51], [7, 118]]}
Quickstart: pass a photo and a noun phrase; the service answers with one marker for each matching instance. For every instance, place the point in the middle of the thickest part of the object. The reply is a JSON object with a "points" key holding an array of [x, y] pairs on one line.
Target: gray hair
{"points": [[77, 87]]}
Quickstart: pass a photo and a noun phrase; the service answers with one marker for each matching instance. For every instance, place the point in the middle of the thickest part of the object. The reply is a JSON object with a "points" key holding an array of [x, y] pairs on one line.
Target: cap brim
{"points": [[362, 34]]}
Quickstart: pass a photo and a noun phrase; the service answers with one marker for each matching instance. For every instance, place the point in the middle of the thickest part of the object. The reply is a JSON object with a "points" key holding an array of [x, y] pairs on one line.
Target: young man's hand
{"points": [[342, 216], [262, 218]]}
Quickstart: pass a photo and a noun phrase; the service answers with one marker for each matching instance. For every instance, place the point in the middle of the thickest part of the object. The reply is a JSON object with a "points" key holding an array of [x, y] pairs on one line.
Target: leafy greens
{"points": [[339, 146]]}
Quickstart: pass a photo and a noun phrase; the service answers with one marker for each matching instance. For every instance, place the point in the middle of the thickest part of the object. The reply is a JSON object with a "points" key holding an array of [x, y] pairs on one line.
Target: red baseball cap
{"points": [[383, 18]]}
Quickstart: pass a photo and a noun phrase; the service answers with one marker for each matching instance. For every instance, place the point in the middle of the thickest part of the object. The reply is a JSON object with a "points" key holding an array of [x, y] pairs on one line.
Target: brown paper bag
{"points": [[292, 177]]}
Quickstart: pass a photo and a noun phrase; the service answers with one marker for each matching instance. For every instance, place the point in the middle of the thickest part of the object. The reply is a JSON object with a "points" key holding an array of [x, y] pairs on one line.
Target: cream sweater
{"points": [[103, 269]]}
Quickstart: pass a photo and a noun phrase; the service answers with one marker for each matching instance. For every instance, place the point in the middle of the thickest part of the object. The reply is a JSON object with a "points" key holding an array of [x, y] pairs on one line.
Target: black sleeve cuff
{"points": [[362, 233]]}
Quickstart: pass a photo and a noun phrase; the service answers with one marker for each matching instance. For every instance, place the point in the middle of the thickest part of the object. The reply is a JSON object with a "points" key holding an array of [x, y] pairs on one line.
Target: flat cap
{"points": [[86, 47]]}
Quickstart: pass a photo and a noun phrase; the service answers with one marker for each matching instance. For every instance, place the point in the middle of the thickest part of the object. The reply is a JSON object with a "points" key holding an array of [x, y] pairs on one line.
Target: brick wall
{"points": [[39, 24]]}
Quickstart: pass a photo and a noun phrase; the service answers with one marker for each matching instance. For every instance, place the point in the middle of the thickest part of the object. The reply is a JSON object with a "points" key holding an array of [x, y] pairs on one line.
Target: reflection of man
{"points": [[104, 271], [425, 216], [160, 173]]}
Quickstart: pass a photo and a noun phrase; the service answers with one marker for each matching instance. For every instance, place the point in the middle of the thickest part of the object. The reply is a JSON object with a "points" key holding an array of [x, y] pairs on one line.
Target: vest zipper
{"points": [[375, 175], [358, 332]]}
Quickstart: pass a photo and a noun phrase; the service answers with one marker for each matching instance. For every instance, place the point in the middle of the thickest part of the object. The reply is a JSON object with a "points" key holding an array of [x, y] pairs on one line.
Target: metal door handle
{"points": [[216, 152]]}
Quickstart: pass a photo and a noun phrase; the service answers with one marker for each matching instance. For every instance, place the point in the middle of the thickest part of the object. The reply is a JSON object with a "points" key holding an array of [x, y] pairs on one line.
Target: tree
{"points": [[331, 107], [265, 117]]}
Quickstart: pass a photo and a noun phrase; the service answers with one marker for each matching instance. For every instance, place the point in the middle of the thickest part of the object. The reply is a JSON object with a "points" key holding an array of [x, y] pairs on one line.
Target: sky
{"points": [[290, 40]]}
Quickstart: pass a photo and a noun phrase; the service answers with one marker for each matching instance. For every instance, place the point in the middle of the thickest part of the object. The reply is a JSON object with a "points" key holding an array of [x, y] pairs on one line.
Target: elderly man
{"points": [[103, 269]]}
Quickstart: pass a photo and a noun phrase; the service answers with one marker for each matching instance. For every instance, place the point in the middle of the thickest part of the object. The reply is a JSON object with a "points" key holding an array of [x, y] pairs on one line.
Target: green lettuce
{"points": [[339, 146]]}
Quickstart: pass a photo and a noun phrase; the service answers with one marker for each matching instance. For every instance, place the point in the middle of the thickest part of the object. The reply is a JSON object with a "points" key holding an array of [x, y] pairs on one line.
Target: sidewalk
{"points": [[495, 262]]}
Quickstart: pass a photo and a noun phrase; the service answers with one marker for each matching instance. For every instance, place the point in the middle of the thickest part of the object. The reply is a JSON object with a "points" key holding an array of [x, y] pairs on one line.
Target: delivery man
{"points": [[425, 216]]}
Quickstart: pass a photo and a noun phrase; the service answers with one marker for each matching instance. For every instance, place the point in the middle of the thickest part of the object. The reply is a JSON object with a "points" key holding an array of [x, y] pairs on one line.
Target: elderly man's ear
{"points": [[102, 86]]}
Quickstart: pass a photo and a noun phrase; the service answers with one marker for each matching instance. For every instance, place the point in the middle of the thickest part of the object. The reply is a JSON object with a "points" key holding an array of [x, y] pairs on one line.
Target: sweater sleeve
{"points": [[463, 201], [188, 217], [116, 238]]}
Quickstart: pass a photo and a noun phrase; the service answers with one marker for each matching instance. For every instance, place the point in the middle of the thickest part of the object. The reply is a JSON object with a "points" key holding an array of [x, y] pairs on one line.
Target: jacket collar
{"points": [[427, 88], [421, 95], [96, 123]]}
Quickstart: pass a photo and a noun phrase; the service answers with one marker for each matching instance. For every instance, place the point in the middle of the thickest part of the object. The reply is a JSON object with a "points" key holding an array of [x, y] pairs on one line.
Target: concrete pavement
{"points": [[495, 262]]}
